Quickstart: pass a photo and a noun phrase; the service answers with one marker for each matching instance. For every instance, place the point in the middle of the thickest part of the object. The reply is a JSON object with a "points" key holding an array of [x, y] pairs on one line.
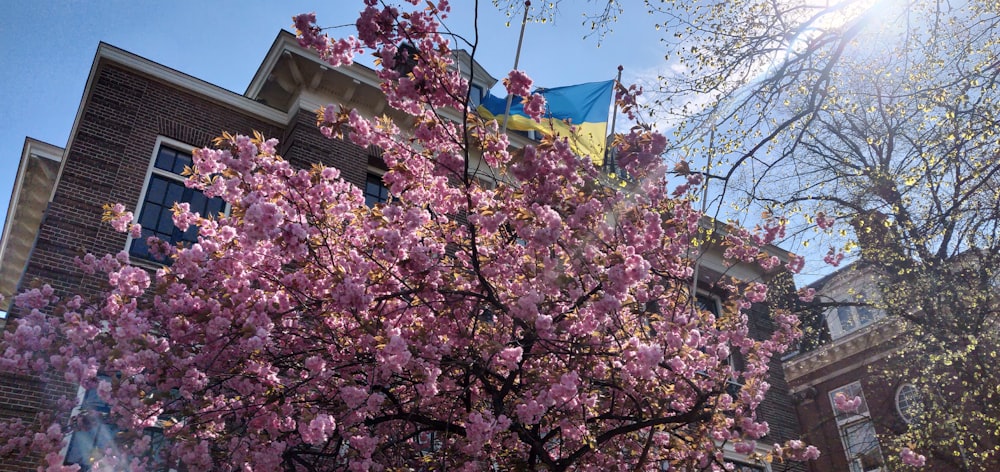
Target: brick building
{"points": [[854, 343], [851, 339], [133, 133]]}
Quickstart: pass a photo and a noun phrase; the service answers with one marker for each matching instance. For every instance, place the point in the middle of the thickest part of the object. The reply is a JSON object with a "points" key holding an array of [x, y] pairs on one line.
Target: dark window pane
{"points": [[150, 215], [191, 235], [475, 96], [139, 248], [175, 193], [157, 190], [198, 202], [182, 161], [865, 315], [165, 158], [375, 190], [846, 315], [214, 207], [156, 214], [708, 304], [166, 222]]}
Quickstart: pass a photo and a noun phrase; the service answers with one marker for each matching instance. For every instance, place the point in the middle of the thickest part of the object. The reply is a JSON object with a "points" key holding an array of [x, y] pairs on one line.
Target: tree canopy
{"points": [[546, 321], [871, 125]]}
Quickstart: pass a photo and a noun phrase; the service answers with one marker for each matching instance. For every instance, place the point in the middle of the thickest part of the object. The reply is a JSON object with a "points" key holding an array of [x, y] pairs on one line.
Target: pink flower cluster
{"points": [[545, 321], [847, 405], [795, 450], [518, 83], [911, 458], [833, 257]]}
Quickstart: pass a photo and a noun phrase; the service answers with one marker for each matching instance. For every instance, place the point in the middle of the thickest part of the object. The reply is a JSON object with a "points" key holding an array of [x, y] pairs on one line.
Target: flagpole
{"points": [[608, 163], [517, 57]]}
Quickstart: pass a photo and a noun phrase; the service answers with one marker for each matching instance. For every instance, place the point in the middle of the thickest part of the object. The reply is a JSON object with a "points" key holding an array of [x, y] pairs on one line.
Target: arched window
{"points": [[908, 403]]}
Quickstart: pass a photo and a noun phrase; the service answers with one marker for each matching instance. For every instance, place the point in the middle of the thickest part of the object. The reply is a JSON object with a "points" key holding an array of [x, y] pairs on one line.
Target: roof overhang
{"points": [[36, 177]]}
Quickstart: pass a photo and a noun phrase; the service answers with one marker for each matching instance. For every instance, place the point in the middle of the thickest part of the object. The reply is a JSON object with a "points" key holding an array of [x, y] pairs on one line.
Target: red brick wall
{"points": [[108, 158], [303, 144], [107, 163], [816, 415]]}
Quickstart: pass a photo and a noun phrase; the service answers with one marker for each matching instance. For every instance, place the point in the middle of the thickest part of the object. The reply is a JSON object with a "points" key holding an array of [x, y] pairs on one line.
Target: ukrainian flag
{"points": [[584, 106]]}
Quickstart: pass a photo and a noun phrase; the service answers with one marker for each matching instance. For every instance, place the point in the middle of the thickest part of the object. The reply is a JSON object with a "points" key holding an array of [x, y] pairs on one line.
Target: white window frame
{"points": [[150, 171], [717, 301], [837, 330], [851, 420], [910, 417]]}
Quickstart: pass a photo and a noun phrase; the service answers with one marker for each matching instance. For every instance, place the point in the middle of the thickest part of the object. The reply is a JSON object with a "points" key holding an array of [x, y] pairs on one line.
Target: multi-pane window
{"points": [[711, 305], [94, 435], [845, 319], [375, 190], [857, 431], [164, 188], [908, 403]]}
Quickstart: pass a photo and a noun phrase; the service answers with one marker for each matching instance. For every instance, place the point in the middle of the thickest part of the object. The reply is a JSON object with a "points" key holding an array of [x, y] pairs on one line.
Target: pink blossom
{"points": [[318, 429], [649, 356], [823, 221], [770, 263], [911, 458], [120, 219], [478, 429], [509, 357], [833, 257], [315, 365], [845, 404], [395, 355], [547, 317], [534, 107], [183, 218], [795, 450], [518, 83], [795, 263], [745, 447]]}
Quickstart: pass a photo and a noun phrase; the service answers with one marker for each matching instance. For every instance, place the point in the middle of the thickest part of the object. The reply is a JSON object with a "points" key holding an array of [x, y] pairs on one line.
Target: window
{"points": [[908, 403], [711, 304], [857, 432], [843, 320], [475, 95], [375, 190], [94, 434], [164, 187], [742, 467]]}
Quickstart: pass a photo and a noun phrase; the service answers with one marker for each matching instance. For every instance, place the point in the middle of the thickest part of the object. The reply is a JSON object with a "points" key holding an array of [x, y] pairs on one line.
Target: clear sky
{"points": [[48, 46]]}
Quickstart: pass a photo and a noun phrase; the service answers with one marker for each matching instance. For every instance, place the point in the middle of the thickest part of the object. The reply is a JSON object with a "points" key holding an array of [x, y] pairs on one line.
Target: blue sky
{"points": [[48, 47]]}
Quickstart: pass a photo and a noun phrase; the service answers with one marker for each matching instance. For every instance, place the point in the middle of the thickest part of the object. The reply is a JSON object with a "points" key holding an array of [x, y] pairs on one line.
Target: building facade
{"points": [[133, 134], [852, 344]]}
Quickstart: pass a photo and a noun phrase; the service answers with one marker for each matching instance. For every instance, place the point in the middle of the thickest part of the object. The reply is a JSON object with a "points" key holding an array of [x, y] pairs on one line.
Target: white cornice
{"points": [[27, 203], [875, 339], [286, 43]]}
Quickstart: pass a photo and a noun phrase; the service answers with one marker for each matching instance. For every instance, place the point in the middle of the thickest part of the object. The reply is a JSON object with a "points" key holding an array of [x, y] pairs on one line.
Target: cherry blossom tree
{"points": [[547, 322]]}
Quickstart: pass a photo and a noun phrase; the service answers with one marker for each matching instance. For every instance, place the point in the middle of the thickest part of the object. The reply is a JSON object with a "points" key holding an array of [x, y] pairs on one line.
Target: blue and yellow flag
{"points": [[584, 106]]}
